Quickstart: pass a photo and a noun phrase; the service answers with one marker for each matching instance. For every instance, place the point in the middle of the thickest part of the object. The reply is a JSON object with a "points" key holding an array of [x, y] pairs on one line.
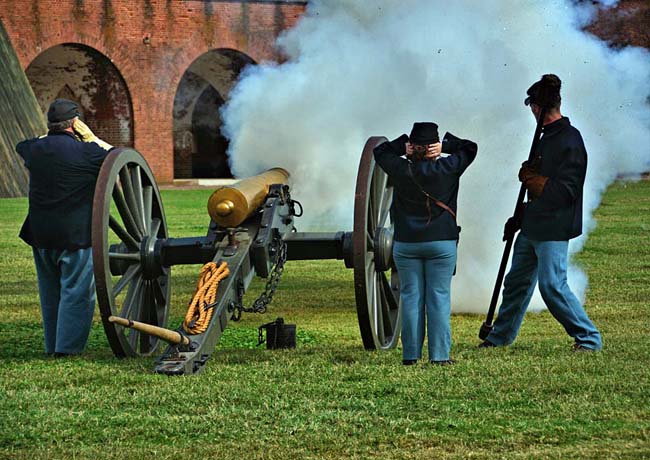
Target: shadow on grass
{"points": [[305, 354]]}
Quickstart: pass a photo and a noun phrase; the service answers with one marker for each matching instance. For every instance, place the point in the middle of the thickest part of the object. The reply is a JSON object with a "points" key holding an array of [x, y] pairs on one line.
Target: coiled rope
{"points": [[201, 308]]}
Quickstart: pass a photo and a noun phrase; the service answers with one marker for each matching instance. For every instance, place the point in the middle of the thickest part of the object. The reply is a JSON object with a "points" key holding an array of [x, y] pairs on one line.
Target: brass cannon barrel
{"points": [[231, 205]]}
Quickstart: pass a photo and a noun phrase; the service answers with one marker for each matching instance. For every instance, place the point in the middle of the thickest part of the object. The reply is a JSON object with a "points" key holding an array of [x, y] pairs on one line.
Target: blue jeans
{"points": [[425, 270], [546, 261], [66, 285]]}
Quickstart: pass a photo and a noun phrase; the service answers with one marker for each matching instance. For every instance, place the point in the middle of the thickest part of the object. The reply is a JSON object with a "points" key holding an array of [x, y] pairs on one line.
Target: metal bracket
{"points": [[233, 244]]}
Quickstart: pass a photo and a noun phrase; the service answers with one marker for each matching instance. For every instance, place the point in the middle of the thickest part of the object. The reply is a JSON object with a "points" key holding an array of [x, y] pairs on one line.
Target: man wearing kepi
{"points": [[63, 168], [551, 217], [426, 233]]}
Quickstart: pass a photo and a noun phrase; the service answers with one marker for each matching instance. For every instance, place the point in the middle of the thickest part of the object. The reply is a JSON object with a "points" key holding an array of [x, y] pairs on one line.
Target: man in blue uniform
{"points": [[63, 168], [552, 216]]}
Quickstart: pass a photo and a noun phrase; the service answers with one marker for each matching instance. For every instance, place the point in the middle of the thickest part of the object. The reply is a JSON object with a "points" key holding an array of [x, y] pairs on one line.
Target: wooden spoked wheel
{"points": [[128, 221], [376, 282]]}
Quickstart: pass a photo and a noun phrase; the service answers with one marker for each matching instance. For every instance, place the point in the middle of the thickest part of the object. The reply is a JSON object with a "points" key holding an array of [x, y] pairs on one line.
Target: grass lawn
{"points": [[329, 398]]}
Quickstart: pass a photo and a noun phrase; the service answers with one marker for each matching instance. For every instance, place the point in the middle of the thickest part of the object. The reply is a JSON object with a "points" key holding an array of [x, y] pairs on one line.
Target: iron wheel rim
{"points": [[126, 181], [376, 292]]}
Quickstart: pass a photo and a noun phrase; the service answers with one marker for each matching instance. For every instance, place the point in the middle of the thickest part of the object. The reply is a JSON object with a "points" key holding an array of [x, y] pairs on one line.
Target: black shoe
{"points": [[577, 348], [446, 362], [409, 362], [61, 355], [486, 344]]}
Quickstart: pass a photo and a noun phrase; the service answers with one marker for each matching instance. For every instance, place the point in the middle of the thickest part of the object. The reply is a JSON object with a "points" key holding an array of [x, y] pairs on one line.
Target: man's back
{"points": [[63, 172]]}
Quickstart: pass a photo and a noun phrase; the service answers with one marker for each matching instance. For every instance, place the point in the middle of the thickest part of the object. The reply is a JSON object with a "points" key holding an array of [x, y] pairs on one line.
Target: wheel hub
{"points": [[151, 268], [383, 243]]}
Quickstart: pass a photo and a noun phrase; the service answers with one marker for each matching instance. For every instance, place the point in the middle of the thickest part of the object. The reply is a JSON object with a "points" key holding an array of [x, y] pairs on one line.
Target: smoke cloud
{"points": [[358, 69]]}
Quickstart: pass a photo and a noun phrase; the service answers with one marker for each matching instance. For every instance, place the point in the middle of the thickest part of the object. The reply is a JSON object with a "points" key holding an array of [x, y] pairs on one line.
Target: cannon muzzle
{"points": [[231, 205]]}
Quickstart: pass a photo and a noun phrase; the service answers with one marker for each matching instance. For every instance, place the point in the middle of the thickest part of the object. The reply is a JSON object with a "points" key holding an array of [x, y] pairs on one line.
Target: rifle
{"points": [[486, 327]]}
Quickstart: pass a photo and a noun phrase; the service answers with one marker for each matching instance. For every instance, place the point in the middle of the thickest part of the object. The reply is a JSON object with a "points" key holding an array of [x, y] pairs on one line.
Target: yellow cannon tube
{"points": [[231, 205]]}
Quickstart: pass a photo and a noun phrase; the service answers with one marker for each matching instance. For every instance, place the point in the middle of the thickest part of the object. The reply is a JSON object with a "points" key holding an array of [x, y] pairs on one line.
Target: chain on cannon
{"points": [[251, 232], [260, 305]]}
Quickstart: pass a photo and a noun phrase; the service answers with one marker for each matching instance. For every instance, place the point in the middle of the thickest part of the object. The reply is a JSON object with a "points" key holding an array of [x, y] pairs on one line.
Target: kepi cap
{"points": [[62, 110], [424, 133], [545, 92]]}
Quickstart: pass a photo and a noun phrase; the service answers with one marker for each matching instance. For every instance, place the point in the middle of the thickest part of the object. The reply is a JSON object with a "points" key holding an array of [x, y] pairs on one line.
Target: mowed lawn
{"points": [[329, 398]]}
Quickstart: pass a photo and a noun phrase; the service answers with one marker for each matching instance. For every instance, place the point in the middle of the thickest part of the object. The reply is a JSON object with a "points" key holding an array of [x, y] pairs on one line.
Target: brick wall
{"points": [[626, 24], [151, 43]]}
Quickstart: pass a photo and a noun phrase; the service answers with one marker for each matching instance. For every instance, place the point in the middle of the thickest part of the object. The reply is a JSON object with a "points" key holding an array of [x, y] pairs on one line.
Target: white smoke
{"points": [[357, 69]]}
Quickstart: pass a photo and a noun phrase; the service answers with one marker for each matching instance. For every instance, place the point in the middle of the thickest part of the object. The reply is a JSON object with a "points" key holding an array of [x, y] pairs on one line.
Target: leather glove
{"points": [[86, 135], [512, 226], [535, 185], [526, 172]]}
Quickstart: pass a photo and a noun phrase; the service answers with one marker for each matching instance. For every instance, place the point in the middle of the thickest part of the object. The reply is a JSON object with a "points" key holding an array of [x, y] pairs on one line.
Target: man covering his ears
{"points": [[63, 168]]}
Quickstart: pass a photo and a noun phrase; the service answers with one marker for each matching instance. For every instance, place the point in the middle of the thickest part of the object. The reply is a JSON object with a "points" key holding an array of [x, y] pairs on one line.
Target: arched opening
{"points": [[84, 75], [200, 150]]}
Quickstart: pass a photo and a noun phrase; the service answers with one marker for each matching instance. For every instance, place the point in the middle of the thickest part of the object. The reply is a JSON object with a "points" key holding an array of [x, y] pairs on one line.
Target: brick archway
{"points": [[81, 73], [199, 147], [152, 44]]}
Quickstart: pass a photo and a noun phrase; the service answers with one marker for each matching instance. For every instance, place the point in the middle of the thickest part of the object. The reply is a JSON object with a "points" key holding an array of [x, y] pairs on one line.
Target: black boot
{"points": [[446, 362]]}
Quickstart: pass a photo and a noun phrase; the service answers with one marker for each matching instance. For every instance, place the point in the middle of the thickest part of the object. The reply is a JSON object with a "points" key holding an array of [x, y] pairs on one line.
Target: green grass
{"points": [[329, 398]]}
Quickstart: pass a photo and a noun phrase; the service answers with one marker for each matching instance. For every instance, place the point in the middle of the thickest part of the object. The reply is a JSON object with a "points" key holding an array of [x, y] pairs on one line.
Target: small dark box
{"points": [[278, 335]]}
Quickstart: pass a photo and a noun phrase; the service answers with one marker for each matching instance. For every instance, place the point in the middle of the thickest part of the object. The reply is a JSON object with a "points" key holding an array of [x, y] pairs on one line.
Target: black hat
{"points": [[545, 92], [62, 110], [424, 133]]}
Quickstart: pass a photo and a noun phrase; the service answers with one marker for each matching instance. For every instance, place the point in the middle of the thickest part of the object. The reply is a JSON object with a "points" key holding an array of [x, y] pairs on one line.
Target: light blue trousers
{"points": [[425, 270], [66, 285], [546, 261]]}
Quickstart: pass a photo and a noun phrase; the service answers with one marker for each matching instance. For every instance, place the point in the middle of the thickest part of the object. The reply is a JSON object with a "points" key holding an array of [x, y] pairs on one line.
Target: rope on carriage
{"points": [[201, 307]]}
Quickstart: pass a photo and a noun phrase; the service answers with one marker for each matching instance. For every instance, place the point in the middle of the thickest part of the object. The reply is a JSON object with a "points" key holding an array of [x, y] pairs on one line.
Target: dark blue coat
{"points": [[62, 176], [561, 156], [440, 179]]}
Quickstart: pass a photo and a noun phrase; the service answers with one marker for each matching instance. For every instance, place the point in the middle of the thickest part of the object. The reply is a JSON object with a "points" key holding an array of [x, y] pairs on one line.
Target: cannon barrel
{"points": [[231, 205]]}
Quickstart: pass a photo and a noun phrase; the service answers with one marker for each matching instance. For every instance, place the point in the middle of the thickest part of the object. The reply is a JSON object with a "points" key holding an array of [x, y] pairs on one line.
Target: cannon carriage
{"points": [[251, 232]]}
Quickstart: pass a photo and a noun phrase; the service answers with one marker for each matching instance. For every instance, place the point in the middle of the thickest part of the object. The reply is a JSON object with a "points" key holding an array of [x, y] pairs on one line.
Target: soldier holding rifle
{"points": [[552, 216], [63, 168]]}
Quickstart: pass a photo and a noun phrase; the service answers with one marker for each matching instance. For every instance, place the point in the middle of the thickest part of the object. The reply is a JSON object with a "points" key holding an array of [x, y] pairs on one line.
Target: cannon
{"points": [[251, 232]]}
